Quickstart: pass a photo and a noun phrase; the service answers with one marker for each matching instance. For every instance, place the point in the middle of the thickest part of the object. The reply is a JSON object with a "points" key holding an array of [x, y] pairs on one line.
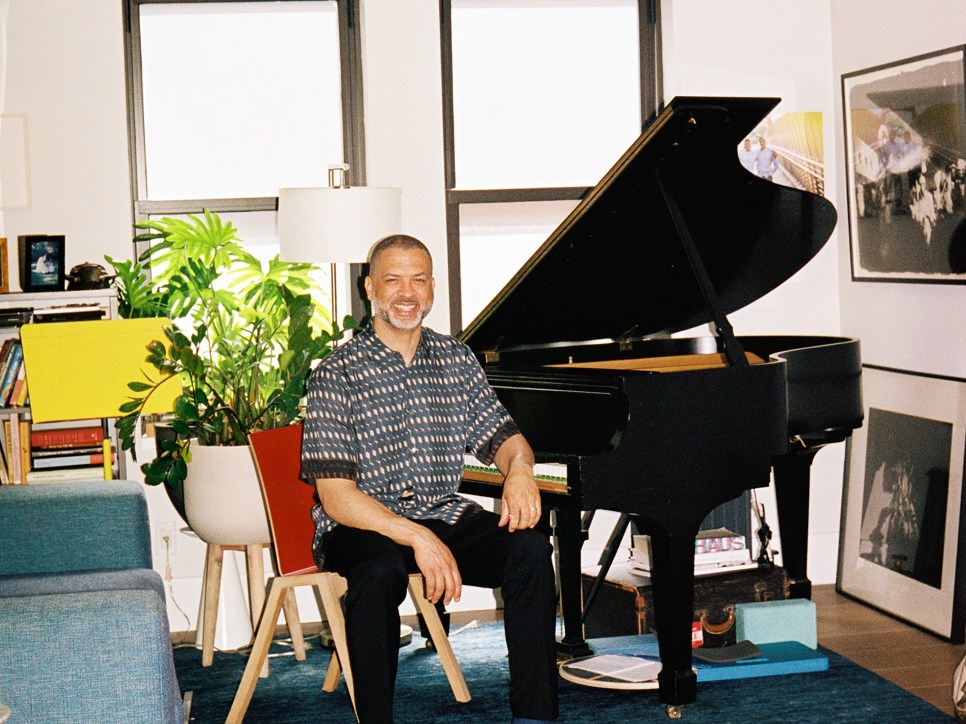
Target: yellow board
{"points": [[80, 370]]}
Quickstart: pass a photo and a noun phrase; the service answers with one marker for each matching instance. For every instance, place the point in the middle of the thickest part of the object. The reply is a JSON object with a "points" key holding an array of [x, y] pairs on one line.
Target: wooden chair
{"points": [[288, 501]]}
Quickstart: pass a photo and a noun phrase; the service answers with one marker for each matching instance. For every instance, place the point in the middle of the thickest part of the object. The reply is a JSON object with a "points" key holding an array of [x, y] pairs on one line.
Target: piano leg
{"points": [[672, 581], [568, 538], [792, 478]]}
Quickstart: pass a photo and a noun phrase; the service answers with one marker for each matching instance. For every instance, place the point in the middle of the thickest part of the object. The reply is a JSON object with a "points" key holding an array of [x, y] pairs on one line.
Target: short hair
{"points": [[395, 241]]}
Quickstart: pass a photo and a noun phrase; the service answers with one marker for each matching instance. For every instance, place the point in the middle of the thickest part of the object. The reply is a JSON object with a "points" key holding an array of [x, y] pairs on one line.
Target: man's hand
{"points": [[436, 563], [521, 496], [521, 499]]}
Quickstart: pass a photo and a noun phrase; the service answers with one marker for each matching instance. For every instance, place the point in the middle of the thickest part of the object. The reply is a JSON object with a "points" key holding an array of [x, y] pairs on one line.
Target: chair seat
{"points": [[288, 501]]}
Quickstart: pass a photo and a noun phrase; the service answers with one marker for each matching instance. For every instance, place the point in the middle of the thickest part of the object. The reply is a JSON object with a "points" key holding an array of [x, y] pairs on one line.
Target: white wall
{"points": [[65, 71], [919, 327]]}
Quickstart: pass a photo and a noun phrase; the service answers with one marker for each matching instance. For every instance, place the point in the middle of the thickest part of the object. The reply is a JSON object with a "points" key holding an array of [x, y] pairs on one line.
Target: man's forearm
{"points": [[514, 451], [347, 505]]}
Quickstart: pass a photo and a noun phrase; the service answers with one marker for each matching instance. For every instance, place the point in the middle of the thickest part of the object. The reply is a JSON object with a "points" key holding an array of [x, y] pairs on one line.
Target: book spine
{"points": [[24, 449], [12, 434], [68, 461], [59, 452], [57, 475], [720, 544], [67, 437]]}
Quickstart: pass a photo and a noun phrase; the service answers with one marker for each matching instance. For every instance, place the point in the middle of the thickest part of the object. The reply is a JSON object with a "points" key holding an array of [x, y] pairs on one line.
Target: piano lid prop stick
{"points": [[732, 348]]}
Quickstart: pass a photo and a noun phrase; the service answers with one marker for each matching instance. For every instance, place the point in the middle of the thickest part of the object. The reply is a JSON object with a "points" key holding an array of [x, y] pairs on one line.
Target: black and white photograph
{"points": [[902, 501], [905, 141], [41, 263]]}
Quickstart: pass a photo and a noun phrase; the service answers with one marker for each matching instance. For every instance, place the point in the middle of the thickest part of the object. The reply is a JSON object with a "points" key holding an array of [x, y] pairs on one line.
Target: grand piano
{"points": [[578, 347]]}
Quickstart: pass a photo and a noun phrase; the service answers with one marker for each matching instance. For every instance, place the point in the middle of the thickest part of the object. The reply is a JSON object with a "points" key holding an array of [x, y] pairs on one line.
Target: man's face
{"points": [[400, 287], [761, 142], [747, 144]]}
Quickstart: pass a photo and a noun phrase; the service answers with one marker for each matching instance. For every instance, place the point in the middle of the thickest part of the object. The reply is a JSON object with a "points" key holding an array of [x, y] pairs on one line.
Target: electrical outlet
{"points": [[166, 530]]}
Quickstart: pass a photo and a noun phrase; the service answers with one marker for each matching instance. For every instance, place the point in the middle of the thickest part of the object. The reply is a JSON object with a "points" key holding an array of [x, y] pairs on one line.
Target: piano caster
{"points": [[674, 711]]}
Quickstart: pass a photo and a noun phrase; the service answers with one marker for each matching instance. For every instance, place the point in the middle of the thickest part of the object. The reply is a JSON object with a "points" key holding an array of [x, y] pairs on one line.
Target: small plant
{"points": [[244, 337]]}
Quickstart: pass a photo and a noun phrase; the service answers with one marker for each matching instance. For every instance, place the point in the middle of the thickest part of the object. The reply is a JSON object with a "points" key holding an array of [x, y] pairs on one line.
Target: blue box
{"points": [[765, 622]]}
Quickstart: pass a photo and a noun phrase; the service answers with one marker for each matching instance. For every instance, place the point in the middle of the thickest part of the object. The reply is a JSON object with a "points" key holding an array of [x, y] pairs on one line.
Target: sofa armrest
{"points": [[76, 526], [87, 657]]}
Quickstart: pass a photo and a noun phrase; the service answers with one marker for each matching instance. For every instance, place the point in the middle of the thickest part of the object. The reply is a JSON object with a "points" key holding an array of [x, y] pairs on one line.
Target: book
{"points": [[70, 313], [18, 396], [67, 437], [61, 452], [69, 461], [10, 372], [713, 549], [5, 351], [60, 475]]}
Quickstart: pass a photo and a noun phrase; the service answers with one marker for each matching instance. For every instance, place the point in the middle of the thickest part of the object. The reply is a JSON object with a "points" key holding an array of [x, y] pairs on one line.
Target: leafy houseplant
{"points": [[243, 338]]}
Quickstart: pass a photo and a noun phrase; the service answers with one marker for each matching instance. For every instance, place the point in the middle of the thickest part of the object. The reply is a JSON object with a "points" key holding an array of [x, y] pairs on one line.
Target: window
{"points": [[541, 97], [229, 101]]}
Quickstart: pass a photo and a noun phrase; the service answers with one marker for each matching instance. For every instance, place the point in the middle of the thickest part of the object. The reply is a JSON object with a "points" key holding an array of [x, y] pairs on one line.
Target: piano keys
{"points": [[578, 347]]}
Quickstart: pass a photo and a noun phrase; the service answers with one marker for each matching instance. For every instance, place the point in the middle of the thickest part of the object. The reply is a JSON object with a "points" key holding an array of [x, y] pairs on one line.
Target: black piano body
{"points": [[578, 347]]}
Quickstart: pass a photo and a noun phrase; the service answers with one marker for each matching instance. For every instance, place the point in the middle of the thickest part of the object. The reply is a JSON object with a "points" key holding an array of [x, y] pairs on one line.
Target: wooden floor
{"points": [[917, 661]]}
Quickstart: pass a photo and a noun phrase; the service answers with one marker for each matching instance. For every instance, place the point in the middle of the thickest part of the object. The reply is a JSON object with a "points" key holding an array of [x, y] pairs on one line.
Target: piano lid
{"points": [[616, 267]]}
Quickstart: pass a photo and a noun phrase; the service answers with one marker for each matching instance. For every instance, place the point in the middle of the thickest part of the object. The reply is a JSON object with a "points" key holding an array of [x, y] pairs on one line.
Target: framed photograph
{"points": [[4, 266], [905, 159], [41, 263], [901, 546]]}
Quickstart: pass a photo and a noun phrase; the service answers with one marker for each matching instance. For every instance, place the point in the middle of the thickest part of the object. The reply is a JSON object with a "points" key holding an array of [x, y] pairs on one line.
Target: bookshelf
{"points": [[22, 307]]}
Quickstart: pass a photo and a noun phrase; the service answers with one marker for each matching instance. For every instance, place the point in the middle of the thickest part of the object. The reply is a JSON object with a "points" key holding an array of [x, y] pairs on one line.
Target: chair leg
{"points": [[255, 566], [259, 653], [330, 588], [440, 640], [294, 623], [213, 562]]}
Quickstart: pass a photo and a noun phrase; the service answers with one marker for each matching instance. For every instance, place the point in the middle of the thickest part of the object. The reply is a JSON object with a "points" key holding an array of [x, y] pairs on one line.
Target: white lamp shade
{"points": [[336, 225]]}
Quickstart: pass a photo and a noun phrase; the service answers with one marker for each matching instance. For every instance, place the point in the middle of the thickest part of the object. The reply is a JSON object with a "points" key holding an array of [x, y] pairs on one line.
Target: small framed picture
{"points": [[4, 266], [41, 263], [903, 525]]}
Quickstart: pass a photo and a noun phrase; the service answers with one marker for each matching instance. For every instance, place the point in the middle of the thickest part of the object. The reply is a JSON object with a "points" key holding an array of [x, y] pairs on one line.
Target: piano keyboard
{"points": [[550, 477]]}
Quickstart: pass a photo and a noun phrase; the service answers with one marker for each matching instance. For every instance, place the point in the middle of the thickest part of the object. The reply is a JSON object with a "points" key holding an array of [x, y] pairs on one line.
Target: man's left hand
{"points": [[521, 499]]}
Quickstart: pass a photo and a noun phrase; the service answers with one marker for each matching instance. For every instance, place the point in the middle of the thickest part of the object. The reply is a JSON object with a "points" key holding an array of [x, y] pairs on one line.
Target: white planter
{"points": [[222, 498]]}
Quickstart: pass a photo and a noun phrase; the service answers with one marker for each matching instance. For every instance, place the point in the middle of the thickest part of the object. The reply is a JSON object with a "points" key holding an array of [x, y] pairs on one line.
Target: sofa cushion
{"points": [[42, 584]]}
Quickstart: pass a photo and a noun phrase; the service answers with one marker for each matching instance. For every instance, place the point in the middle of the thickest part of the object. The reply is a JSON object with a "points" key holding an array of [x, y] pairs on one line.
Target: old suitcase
{"points": [[624, 605]]}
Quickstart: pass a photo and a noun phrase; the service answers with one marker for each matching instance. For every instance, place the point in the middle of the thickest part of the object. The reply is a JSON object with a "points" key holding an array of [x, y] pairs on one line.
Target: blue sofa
{"points": [[83, 624]]}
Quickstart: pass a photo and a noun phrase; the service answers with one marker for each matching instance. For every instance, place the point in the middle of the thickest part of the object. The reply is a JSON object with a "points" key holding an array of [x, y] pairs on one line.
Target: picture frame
{"points": [[4, 266], [905, 160], [41, 263], [901, 545]]}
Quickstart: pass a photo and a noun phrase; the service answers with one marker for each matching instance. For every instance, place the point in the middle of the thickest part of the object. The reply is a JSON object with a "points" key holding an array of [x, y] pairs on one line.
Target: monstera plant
{"points": [[243, 338]]}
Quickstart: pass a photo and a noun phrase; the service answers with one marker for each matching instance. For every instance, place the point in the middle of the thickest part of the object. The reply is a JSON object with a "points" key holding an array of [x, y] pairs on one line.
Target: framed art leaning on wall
{"points": [[901, 544], [905, 148]]}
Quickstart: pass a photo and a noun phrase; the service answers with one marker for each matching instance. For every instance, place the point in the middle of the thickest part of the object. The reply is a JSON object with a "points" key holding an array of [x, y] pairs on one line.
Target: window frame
{"points": [[652, 102], [353, 141]]}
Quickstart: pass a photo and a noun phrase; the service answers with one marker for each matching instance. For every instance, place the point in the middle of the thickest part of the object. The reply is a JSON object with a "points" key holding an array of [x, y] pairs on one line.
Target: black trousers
{"points": [[377, 571]]}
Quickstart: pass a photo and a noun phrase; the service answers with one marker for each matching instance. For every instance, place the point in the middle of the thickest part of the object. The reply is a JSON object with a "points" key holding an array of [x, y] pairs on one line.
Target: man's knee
{"points": [[386, 576], [530, 549]]}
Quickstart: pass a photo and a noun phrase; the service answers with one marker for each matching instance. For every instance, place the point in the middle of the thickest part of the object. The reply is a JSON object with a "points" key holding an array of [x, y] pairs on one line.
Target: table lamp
{"points": [[336, 225]]}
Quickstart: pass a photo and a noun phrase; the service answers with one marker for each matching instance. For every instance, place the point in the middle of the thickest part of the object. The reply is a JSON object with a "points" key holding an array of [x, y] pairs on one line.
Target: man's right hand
{"points": [[436, 563]]}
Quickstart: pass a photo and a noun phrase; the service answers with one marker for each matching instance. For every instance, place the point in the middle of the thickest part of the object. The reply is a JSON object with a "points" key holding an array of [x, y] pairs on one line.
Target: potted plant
{"points": [[243, 339]]}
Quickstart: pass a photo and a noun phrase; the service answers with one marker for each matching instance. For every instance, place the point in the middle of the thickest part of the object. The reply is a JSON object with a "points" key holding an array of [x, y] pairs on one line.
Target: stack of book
{"points": [[13, 383], [715, 551], [59, 452]]}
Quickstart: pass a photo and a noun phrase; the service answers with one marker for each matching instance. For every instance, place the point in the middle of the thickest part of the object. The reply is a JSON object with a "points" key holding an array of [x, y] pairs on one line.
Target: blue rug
{"points": [[293, 691]]}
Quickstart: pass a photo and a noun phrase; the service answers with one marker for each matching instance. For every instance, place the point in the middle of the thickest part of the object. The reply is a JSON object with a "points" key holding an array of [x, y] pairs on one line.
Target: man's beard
{"points": [[386, 313]]}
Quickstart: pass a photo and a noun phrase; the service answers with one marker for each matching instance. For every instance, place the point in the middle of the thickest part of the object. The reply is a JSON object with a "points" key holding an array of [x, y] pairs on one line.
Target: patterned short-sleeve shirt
{"points": [[400, 432]]}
